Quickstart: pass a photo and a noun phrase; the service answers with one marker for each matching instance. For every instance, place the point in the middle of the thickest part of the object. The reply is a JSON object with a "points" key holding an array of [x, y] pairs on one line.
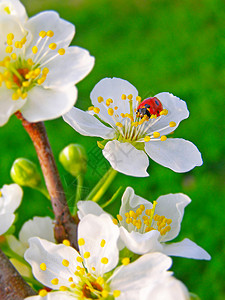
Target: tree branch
{"points": [[12, 286], [65, 227]]}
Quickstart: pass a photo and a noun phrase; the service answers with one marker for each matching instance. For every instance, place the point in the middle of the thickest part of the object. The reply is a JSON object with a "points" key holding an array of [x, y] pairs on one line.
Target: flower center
{"points": [[144, 220], [20, 73], [135, 126]]}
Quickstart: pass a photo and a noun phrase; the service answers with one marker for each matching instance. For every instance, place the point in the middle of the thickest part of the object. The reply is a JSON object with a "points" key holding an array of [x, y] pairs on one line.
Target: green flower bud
{"points": [[74, 159], [25, 173]]}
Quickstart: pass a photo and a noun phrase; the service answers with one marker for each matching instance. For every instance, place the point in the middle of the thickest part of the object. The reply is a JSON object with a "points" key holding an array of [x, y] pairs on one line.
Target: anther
{"points": [[61, 51], [43, 293], [104, 260], [66, 242], [86, 254], [102, 244], [115, 221], [119, 124], [147, 138], [130, 97], [163, 138], [172, 124], [55, 281], [81, 242], [116, 293], [80, 259], [34, 49], [9, 49], [52, 46], [14, 56], [43, 266], [50, 33], [119, 217], [96, 110], [100, 99], [110, 111], [138, 98], [65, 263], [126, 261], [123, 97], [42, 34], [156, 134]]}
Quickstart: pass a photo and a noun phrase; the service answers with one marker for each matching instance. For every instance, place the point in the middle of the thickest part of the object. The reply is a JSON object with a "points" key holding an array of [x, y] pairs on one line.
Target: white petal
{"points": [[16, 9], [87, 125], [11, 198], [131, 201], [94, 229], [49, 20], [54, 296], [46, 104], [113, 88], [168, 288], [8, 106], [141, 243], [42, 251], [148, 269], [126, 159], [9, 24], [6, 221], [89, 207], [172, 207], [177, 111], [42, 227], [176, 154], [186, 248], [69, 68]]}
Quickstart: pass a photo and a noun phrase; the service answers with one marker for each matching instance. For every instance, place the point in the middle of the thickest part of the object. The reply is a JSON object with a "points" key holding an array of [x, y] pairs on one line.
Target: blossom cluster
{"points": [[122, 257]]}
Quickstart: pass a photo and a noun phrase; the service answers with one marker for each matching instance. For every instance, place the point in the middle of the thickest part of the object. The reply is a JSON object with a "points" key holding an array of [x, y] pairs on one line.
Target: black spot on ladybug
{"points": [[156, 102]]}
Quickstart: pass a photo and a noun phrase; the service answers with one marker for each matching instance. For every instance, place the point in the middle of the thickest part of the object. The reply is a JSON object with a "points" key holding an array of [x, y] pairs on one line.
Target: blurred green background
{"points": [[157, 45]]}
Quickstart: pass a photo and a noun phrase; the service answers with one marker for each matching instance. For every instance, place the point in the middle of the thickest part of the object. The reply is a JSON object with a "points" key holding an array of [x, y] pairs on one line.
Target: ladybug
{"points": [[148, 107]]}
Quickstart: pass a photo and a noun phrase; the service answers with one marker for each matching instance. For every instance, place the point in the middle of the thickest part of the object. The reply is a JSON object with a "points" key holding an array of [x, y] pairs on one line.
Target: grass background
{"points": [[157, 45]]}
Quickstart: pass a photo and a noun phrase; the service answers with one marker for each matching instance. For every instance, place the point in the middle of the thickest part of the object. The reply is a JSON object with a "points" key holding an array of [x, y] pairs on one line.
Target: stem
{"points": [[65, 226], [105, 185], [99, 184], [80, 180], [12, 286]]}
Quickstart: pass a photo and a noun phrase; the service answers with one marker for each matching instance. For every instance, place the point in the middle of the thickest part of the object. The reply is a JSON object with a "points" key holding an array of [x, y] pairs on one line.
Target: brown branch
{"points": [[65, 227], [12, 284]]}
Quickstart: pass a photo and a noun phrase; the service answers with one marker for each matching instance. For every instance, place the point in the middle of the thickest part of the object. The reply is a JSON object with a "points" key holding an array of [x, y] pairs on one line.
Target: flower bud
{"points": [[25, 173], [74, 159]]}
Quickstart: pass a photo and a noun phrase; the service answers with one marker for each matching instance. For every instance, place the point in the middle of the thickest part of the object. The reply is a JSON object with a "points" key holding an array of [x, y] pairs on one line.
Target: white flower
{"points": [[146, 227], [42, 227], [10, 199], [37, 68], [87, 275], [132, 139], [13, 8]]}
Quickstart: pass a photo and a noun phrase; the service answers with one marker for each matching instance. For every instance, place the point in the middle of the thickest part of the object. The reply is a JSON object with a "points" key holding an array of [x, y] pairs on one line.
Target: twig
{"points": [[65, 227], [12, 286]]}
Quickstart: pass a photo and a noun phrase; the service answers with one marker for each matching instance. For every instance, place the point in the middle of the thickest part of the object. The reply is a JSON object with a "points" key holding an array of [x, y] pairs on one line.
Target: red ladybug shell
{"points": [[150, 106]]}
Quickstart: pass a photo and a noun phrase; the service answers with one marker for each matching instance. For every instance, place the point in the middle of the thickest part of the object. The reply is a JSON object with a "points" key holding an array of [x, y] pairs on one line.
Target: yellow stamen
{"points": [[81, 242], [65, 263], [142, 207], [119, 124], [34, 49], [156, 134], [116, 107], [147, 138], [55, 281], [73, 285], [105, 294], [26, 83], [24, 96], [138, 98], [43, 266], [116, 293], [9, 42], [115, 221], [43, 293], [123, 97], [7, 10], [50, 33], [63, 288], [102, 244], [14, 56], [80, 259], [126, 261], [42, 34], [66, 242], [172, 124], [10, 36], [9, 49], [86, 254], [70, 279], [15, 96], [61, 51], [96, 110], [163, 138], [130, 97], [100, 280], [119, 217], [45, 71], [163, 112], [104, 260], [52, 46], [110, 111], [100, 99]]}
